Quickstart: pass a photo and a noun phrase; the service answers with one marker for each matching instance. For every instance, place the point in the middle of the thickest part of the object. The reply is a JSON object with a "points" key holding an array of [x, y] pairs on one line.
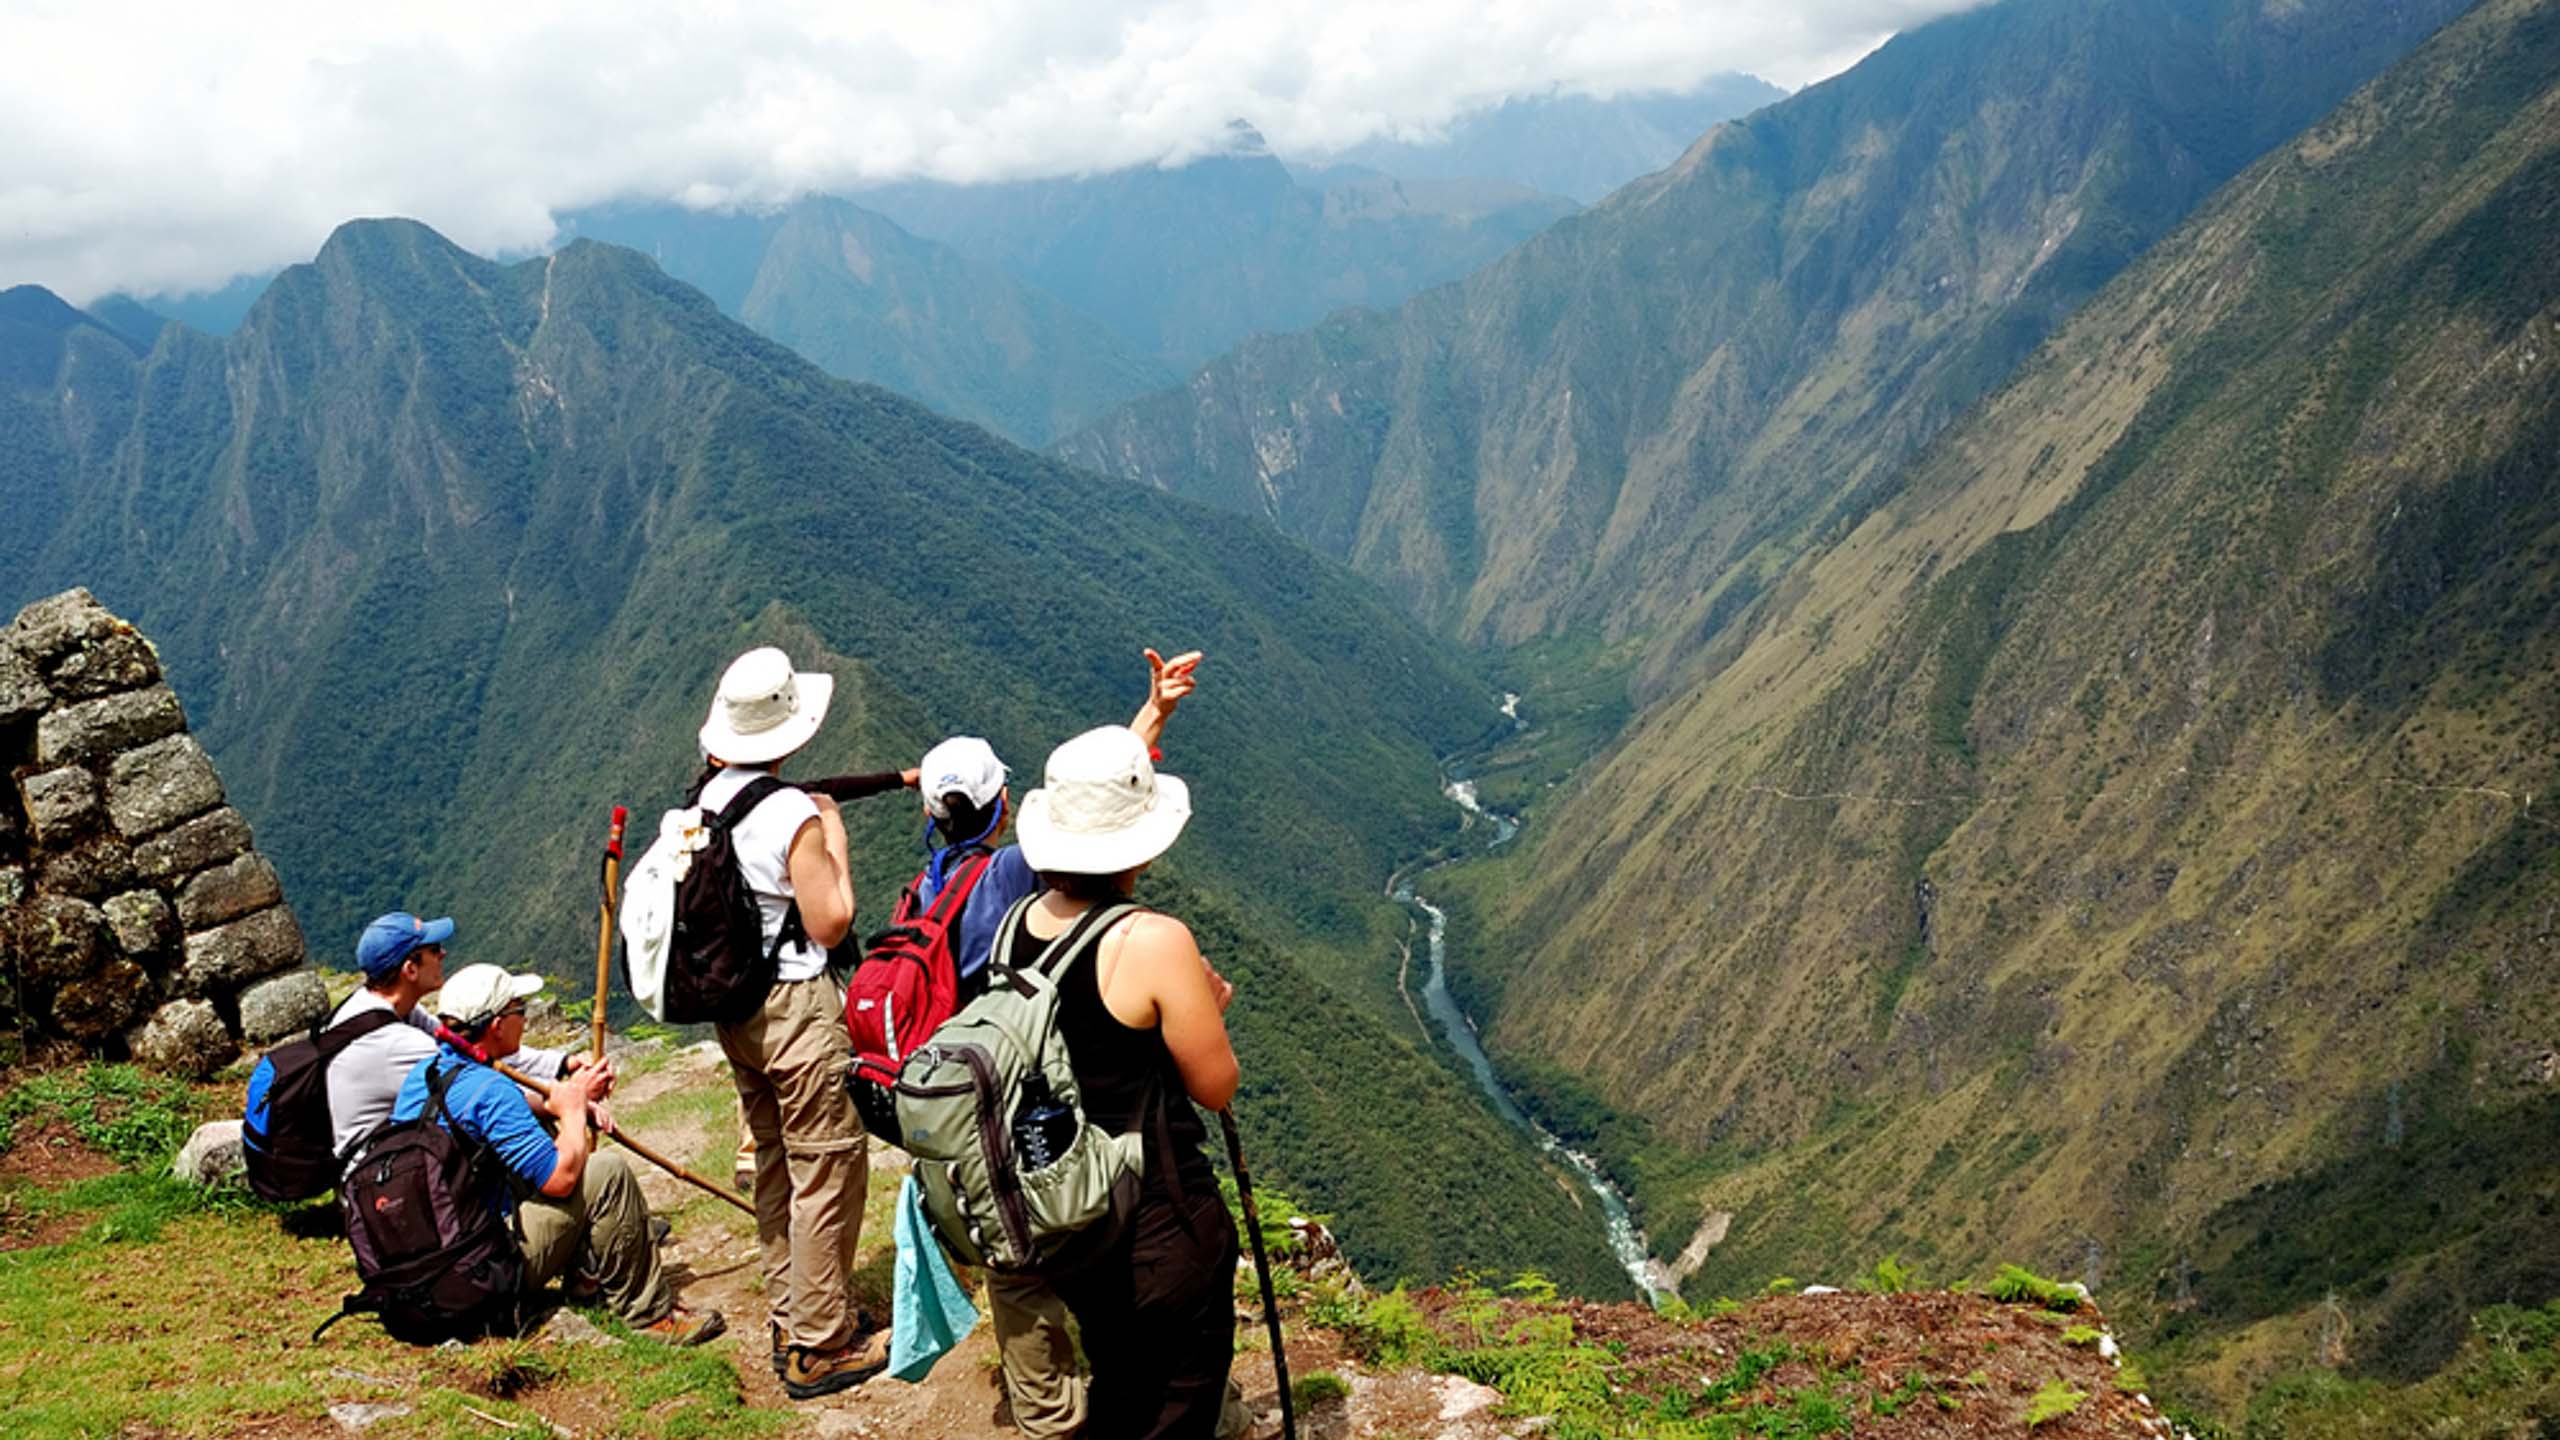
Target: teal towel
{"points": [[931, 1312]]}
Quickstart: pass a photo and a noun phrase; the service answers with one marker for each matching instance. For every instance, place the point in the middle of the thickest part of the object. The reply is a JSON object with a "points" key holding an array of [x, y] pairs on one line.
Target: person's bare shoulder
{"points": [[1155, 931]]}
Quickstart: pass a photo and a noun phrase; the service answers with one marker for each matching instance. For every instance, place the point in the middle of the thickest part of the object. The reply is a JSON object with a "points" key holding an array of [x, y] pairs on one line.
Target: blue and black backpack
{"points": [[286, 1134]]}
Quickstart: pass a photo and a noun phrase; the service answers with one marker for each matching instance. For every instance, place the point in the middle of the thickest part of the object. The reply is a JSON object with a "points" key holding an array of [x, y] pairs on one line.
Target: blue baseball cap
{"points": [[394, 938]]}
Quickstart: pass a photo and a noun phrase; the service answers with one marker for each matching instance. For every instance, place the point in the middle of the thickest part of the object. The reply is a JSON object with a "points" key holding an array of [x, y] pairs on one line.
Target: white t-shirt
{"points": [[762, 843], [367, 1075]]}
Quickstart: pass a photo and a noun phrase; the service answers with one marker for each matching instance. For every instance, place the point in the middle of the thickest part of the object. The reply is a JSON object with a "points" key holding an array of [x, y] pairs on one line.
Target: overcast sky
{"points": [[173, 146]]}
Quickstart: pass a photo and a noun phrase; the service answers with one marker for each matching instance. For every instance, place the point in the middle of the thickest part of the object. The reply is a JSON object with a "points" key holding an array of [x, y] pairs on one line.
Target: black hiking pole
{"points": [[1262, 1267]]}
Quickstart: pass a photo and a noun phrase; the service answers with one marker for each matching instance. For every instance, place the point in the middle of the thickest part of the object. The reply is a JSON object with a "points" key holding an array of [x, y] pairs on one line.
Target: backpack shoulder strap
{"points": [[1086, 934], [963, 882], [753, 794], [334, 1040]]}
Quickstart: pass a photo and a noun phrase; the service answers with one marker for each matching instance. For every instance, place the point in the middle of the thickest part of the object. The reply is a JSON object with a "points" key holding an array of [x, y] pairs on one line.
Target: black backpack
{"points": [[693, 942], [287, 1137], [437, 1259]]}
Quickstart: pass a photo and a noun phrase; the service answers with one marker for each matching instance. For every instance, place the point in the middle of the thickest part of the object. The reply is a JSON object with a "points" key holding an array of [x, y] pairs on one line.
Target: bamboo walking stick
{"points": [[635, 1147], [604, 925], [1262, 1265]]}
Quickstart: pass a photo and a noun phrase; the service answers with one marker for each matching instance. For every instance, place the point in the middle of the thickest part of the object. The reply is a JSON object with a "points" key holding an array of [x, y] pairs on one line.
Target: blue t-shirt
{"points": [[489, 1107], [1009, 877]]}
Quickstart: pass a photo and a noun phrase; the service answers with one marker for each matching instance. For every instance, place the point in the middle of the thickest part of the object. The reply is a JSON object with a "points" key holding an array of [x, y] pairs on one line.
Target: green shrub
{"points": [[2053, 1402], [2016, 1285], [1383, 1330], [1890, 1277], [1309, 1391]]}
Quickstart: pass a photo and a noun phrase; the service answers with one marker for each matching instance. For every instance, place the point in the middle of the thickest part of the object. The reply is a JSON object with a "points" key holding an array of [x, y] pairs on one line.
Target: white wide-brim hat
{"points": [[1101, 807], [765, 709]]}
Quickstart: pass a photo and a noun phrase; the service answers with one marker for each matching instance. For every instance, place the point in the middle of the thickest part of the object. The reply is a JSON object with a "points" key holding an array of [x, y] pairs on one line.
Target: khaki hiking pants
{"points": [[600, 1233], [789, 1061], [1040, 1380], [1041, 1383]]}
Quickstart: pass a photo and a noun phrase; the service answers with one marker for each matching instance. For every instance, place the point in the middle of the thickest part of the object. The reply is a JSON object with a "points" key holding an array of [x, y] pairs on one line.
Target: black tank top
{"points": [[1119, 1070]]}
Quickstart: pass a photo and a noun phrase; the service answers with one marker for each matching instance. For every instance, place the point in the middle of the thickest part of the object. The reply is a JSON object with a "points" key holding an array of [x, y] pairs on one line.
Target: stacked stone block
{"points": [[134, 913]]}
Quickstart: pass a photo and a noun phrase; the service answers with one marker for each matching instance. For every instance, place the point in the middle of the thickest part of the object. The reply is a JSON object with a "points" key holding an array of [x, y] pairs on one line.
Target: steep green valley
{"points": [[444, 555], [2121, 843]]}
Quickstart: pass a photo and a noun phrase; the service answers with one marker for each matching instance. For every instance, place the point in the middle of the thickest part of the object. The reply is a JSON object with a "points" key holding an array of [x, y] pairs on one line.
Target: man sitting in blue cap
{"points": [[402, 958]]}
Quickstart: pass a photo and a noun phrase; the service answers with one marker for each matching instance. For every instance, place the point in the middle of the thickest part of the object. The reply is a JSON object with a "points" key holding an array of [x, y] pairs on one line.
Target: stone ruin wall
{"points": [[135, 918]]}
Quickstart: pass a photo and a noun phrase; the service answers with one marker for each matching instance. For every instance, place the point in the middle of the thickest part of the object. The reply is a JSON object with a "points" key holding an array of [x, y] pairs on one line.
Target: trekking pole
{"points": [[604, 923], [636, 1148], [1262, 1266]]}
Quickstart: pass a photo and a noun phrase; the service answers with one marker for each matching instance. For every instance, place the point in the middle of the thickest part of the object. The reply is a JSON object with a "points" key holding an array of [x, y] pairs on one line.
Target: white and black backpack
{"points": [[693, 948]]}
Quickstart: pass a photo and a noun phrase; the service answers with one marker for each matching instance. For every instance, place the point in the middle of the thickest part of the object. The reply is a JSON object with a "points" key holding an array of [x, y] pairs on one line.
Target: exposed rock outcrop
{"points": [[134, 915]]}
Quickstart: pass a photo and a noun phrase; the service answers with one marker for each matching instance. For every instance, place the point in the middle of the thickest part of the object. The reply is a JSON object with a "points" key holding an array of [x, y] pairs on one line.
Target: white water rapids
{"points": [[1625, 1240]]}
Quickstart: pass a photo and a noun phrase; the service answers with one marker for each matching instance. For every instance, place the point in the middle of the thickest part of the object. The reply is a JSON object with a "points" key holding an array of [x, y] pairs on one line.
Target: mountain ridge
{"points": [[443, 554], [2113, 846], [1547, 447]]}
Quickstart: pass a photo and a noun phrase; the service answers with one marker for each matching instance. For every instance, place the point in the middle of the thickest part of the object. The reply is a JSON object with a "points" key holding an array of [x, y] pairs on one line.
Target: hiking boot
{"points": [[683, 1327], [781, 1350], [659, 1229], [809, 1374]]}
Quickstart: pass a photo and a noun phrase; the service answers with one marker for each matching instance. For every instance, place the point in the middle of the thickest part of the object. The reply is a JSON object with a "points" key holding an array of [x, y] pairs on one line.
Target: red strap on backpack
{"points": [[909, 980]]}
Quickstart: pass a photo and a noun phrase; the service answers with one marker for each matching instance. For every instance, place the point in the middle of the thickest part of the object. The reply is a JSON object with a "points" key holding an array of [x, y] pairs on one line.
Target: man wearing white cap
{"points": [[789, 1059], [585, 1221]]}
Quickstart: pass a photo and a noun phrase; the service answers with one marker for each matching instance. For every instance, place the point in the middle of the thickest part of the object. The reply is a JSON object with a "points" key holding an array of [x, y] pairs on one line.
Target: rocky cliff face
{"points": [[134, 913]]}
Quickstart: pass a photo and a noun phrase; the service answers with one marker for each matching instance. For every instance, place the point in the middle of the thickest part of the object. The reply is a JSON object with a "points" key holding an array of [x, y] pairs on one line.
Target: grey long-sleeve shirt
{"points": [[366, 1076]]}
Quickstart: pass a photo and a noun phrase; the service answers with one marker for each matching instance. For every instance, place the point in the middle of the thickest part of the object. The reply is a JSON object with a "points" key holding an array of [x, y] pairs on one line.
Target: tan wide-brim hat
{"points": [[1101, 807], [765, 709]]}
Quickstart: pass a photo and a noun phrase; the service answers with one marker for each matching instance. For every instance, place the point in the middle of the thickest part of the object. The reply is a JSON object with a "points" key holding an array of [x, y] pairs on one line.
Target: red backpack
{"points": [[907, 984]]}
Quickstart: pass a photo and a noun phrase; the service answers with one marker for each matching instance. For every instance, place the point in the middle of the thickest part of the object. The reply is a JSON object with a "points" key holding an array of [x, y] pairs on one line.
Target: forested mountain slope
{"points": [[445, 555], [1183, 262], [2128, 845], [1626, 424], [867, 301]]}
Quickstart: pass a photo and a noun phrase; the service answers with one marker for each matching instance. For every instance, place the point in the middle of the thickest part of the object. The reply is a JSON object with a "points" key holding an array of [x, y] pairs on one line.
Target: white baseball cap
{"points": [[474, 994], [765, 709], [964, 765], [1102, 808]]}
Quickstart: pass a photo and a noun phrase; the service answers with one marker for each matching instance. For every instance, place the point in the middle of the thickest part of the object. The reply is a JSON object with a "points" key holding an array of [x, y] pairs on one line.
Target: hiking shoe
{"points": [[812, 1373], [683, 1327], [659, 1229], [781, 1350]]}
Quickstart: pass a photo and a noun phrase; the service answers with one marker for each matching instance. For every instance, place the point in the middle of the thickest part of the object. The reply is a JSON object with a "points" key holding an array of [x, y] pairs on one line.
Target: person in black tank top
{"points": [[1143, 1019]]}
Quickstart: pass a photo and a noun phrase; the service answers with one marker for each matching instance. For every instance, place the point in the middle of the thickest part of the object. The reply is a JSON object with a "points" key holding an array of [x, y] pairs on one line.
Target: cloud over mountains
{"points": [[150, 147]]}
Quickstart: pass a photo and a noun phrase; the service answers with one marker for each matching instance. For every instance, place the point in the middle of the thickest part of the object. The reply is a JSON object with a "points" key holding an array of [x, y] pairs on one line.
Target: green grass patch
{"points": [[120, 1111]]}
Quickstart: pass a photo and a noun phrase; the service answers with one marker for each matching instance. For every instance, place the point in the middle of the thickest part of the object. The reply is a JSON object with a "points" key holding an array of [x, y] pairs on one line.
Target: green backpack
{"points": [[1014, 1177]]}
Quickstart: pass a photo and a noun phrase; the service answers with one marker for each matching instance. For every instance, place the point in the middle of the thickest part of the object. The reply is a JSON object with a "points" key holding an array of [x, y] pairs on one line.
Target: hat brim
{"points": [[1046, 847], [517, 988], [817, 692], [436, 932]]}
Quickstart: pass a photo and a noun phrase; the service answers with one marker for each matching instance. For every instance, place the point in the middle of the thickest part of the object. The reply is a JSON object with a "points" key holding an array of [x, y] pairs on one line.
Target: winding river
{"points": [[1624, 1239]]}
